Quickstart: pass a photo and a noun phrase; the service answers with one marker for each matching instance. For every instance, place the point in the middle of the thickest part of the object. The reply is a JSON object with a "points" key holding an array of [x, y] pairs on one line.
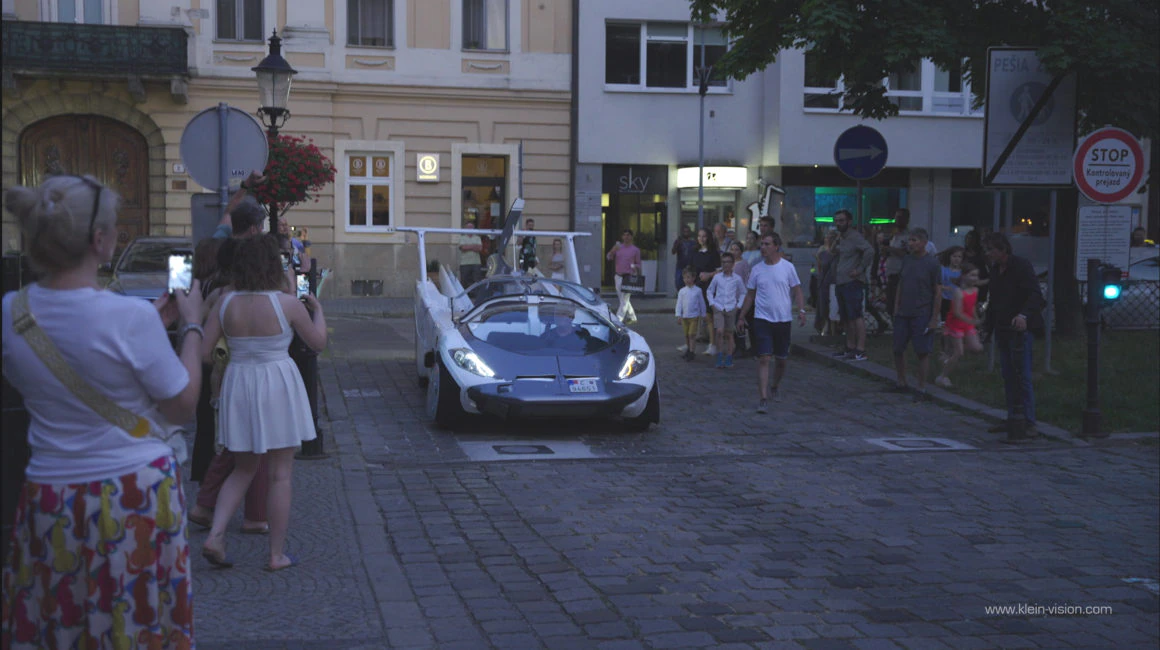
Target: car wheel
{"points": [[420, 369], [651, 413], [443, 398]]}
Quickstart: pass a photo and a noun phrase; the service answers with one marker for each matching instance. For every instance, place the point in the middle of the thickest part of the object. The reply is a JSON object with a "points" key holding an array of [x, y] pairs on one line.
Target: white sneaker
{"points": [[712, 349], [945, 382], [682, 348]]}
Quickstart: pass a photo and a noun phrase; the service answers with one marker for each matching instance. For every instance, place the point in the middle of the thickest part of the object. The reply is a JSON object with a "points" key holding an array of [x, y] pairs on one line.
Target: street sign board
{"points": [[1042, 158], [245, 143], [1104, 233], [1109, 165], [860, 152]]}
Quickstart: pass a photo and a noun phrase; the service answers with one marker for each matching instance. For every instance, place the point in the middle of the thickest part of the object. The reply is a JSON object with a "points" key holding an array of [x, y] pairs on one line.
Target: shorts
{"points": [[915, 330], [772, 338], [725, 320], [689, 325], [956, 333], [851, 297]]}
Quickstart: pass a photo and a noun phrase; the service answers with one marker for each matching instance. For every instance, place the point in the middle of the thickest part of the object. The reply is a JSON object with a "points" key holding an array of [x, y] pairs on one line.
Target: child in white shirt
{"points": [[690, 310], [726, 293]]}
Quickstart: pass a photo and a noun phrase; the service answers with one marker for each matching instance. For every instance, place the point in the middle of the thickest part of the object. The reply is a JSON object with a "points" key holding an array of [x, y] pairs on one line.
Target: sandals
{"points": [[264, 529], [216, 558], [294, 561], [204, 522]]}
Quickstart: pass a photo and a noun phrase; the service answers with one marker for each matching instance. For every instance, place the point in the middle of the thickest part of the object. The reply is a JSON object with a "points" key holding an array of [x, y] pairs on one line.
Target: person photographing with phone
{"points": [[101, 521]]}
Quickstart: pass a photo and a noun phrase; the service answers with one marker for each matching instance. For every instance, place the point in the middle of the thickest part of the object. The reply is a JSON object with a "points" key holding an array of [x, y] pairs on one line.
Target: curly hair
{"points": [[205, 258], [257, 264]]}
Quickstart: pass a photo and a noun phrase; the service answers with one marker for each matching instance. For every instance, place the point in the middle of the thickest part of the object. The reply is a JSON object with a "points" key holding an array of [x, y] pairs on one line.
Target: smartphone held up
{"points": [[180, 272]]}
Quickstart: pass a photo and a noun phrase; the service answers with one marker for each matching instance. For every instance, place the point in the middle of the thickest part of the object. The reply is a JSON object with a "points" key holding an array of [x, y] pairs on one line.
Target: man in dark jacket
{"points": [[1014, 312]]}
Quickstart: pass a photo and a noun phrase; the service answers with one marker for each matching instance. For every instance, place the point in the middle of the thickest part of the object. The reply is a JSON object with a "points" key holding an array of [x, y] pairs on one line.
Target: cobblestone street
{"points": [[720, 528]]}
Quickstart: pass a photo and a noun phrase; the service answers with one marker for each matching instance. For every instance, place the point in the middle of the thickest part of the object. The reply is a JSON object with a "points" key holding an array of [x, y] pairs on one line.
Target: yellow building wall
{"points": [[424, 119], [547, 26], [427, 24]]}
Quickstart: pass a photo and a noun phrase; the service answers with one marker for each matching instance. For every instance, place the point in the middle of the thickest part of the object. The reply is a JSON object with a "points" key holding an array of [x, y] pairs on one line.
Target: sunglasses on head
{"points": [[96, 200]]}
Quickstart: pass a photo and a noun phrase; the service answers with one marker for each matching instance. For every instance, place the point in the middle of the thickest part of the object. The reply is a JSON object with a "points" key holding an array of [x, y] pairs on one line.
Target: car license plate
{"points": [[583, 386]]}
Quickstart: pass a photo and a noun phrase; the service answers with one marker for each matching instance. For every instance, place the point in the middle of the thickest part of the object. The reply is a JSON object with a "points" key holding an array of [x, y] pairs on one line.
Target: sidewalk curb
{"points": [[821, 354]]}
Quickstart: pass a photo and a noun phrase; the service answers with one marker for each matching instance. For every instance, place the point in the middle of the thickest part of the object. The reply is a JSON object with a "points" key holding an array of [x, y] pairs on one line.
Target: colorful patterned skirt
{"points": [[101, 565]]}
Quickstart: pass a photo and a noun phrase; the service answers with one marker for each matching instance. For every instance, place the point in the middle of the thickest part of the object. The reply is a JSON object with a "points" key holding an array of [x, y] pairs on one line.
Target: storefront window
{"points": [[484, 187], [809, 211], [636, 201]]}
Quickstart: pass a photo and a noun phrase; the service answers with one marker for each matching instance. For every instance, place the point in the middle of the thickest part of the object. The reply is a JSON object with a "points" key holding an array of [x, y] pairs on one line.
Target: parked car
{"points": [[142, 271]]}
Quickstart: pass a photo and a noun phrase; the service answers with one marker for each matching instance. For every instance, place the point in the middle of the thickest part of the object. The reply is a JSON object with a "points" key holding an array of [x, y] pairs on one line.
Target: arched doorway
{"points": [[111, 151]]}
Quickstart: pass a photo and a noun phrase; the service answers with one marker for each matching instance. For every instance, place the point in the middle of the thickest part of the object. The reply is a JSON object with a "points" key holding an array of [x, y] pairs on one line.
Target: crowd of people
{"points": [[948, 300], [100, 549]]}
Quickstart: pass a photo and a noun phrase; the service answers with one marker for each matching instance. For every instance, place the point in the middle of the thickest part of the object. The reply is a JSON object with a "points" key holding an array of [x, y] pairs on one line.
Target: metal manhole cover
{"points": [[494, 450], [919, 444]]}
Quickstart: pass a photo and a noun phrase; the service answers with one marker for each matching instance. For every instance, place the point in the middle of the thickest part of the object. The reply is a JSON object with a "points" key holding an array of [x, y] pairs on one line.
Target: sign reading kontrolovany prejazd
{"points": [[1104, 233], [1108, 165], [1015, 82]]}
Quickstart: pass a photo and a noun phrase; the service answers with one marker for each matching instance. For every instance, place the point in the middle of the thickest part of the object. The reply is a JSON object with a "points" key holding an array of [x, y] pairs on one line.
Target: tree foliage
{"points": [[1113, 46]]}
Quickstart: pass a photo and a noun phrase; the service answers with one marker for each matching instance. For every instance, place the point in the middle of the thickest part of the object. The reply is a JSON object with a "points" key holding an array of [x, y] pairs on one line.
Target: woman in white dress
{"points": [[263, 410], [557, 264]]}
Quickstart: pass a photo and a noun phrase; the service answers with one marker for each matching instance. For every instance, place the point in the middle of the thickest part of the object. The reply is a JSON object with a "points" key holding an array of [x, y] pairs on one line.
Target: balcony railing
{"points": [[99, 50]]}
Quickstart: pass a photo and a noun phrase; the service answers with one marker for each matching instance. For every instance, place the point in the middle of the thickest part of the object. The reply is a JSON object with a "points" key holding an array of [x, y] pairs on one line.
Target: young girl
{"points": [[960, 332], [952, 261], [557, 264]]}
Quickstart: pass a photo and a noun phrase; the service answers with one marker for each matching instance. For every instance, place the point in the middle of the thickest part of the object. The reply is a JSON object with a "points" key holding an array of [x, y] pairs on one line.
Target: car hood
{"points": [[602, 363], [141, 285]]}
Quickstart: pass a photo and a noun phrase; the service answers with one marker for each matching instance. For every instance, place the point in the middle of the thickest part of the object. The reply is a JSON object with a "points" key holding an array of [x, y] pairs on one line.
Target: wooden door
{"points": [[111, 151]]}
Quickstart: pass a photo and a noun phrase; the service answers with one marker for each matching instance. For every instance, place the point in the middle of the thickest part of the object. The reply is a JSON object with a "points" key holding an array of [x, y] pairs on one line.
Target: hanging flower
{"points": [[295, 172]]}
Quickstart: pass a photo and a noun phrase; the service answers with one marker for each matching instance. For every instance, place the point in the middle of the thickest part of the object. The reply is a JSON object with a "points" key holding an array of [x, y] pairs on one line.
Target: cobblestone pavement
{"points": [[718, 529]]}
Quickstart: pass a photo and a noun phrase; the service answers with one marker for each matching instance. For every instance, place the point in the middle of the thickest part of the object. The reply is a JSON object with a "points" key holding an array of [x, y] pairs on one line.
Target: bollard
{"points": [[307, 362]]}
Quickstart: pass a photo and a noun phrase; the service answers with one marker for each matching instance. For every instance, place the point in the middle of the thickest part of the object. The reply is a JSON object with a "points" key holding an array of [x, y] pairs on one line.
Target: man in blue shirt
{"points": [[243, 216]]}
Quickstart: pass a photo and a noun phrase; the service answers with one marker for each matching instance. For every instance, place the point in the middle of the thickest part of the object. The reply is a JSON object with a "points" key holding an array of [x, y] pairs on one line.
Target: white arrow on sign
{"points": [[870, 152]]}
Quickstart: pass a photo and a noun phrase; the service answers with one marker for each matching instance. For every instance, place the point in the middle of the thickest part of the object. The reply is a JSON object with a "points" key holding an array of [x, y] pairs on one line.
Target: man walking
{"points": [[773, 291], [1014, 312], [854, 255], [897, 250], [916, 310]]}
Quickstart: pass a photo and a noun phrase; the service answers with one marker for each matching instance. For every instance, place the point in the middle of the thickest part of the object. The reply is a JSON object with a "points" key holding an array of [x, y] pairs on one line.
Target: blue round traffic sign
{"points": [[860, 152]]}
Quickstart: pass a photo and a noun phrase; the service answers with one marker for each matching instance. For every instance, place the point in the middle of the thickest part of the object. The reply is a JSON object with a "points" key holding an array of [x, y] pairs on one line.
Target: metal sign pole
{"points": [[223, 163], [858, 199], [1049, 316], [994, 228]]}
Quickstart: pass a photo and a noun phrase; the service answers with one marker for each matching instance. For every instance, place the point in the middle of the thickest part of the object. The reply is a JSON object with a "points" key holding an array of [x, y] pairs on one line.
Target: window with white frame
{"points": [[820, 91], [370, 23], [904, 87], [89, 12], [661, 54], [239, 20], [485, 25], [922, 88], [369, 183]]}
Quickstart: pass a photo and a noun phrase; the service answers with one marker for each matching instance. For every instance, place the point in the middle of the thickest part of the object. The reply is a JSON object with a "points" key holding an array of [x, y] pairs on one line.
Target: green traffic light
{"points": [[1111, 291]]}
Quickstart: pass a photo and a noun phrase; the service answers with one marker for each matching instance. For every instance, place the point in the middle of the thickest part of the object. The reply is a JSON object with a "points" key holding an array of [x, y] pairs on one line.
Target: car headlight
{"points": [[471, 362], [634, 364]]}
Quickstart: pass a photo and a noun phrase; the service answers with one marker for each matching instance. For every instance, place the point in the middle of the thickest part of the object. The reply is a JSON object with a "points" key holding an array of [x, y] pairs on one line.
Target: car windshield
{"points": [[517, 285], [149, 256], [548, 328]]}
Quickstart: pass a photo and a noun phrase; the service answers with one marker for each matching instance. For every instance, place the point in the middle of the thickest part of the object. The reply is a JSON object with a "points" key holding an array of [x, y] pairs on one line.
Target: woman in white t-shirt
{"points": [[99, 548]]}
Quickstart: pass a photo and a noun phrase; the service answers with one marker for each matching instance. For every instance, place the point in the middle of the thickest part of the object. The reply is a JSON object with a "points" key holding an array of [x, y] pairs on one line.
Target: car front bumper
{"points": [[546, 399]]}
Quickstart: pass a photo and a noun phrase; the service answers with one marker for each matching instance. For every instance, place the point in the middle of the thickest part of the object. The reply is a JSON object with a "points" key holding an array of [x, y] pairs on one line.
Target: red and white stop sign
{"points": [[1109, 165]]}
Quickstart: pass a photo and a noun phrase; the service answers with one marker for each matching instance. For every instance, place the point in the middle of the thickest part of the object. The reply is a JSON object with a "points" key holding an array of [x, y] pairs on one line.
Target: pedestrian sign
{"points": [[860, 152]]}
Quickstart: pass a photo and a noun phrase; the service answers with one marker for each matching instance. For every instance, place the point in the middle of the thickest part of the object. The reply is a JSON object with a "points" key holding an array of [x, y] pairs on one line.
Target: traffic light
{"points": [[1110, 284]]}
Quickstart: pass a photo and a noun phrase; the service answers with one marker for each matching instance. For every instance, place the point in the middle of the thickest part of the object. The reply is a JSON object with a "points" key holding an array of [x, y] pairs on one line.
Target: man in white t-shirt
{"points": [[774, 289]]}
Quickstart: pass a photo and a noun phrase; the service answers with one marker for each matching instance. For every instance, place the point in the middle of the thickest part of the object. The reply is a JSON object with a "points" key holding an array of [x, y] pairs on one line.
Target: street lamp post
{"points": [[703, 74], [274, 77]]}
